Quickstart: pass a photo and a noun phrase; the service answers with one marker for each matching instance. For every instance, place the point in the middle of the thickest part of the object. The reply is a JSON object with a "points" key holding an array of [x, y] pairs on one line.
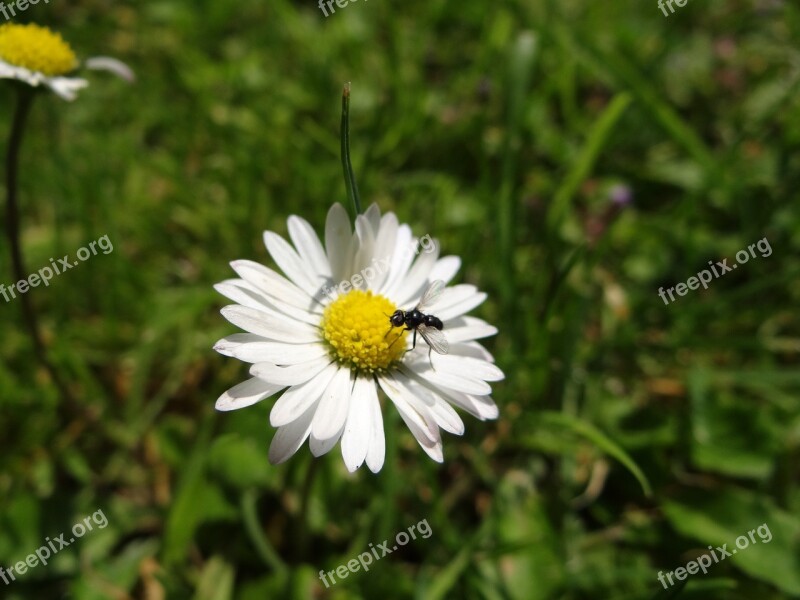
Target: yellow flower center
{"points": [[37, 49], [356, 326]]}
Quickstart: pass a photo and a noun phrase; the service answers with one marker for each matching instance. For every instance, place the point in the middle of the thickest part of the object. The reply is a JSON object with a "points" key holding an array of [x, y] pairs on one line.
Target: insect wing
{"points": [[431, 295], [435, 339]]}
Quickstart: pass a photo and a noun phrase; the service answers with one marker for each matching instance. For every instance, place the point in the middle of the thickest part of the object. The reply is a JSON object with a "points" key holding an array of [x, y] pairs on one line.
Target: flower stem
{"points": [[24, 101], [308, 484], [265, 550], [347, 166]]}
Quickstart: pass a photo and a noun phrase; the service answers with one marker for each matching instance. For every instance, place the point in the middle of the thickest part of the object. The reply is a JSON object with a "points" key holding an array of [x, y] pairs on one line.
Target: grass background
{"points": [[631, 435]]}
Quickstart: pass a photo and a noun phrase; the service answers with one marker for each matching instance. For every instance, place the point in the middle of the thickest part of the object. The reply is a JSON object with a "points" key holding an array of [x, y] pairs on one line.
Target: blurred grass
{"points": [[500, 129]]}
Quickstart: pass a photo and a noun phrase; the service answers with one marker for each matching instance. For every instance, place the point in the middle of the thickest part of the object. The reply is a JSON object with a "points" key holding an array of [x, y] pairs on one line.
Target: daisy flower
{"points": [[38, 56], [322, 333]]}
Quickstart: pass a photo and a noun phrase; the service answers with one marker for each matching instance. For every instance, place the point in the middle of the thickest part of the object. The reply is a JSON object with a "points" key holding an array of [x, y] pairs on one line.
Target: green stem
{"points": [[308, 484], [253, 528], [24, 101], [347, 166]]}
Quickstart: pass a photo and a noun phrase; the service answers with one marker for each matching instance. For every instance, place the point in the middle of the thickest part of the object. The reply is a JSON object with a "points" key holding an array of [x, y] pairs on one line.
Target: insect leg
{"points": [[399, 335], [430, 360]]}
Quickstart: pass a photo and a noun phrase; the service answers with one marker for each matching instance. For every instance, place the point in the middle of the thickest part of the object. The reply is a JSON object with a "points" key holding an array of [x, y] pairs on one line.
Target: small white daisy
{"points": [[38, 56], [329, 348]]}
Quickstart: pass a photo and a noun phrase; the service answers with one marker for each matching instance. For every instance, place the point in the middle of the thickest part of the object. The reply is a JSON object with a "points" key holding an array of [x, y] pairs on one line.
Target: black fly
{"points": [[428, 326]]}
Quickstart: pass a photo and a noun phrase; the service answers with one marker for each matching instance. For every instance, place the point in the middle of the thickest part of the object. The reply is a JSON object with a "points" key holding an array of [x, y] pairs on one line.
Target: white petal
{"points": [[338, 243], [485, 405], [461, 308], [373, 217], [289, 438], [365, 242], [66, 87], [453, 296], [384, 247], [246, 393], [229, 343], [465, 329], [240, 294], [447, 418], [460, 383], [416, 417], [401, 261], [112, 65], [296, 400], [358, 427], [405, 379], [376, 453], [244, 293], [333, 408], [433, 450], [320, 447], [445, 268], [291, 375], [9, 71], [298, 314], [270, 326], [442, 412], [274, 285], [471, 350], [462, 366], [482, 407], [291, 264], [418, 278], [308, 246], [279, 353], [247, 294]]}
